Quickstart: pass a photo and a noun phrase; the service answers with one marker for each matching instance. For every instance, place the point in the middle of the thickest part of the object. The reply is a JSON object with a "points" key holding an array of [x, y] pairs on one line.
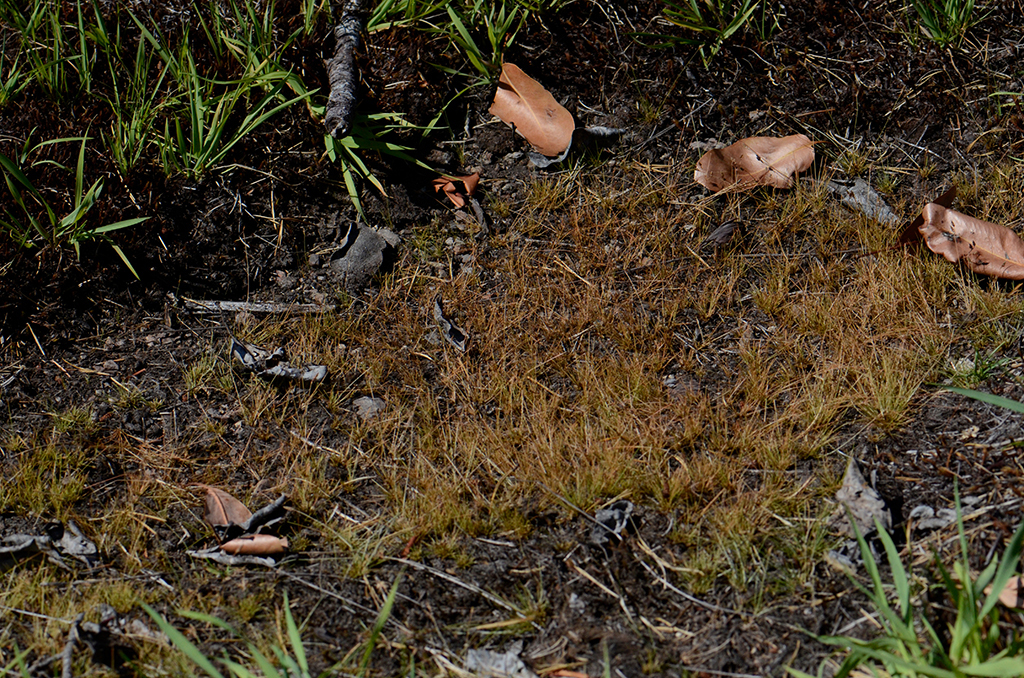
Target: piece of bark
{"points": [[341, 70], [215, 554], [861, 502]]}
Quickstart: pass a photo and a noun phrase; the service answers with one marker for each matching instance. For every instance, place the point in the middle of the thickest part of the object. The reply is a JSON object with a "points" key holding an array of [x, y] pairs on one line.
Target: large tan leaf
{"points": [[523, 102], [756, 161], [985, 248], [255, 545], [222, 509]]}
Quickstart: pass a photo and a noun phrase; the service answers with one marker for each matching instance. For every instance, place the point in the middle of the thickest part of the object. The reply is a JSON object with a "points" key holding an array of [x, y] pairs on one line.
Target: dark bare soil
{"points": [[854, 75]]}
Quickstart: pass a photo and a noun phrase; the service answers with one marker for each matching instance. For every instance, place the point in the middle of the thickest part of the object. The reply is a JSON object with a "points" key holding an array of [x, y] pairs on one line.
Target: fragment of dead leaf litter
{"points": [[523, 102], [911, 233], [236, 526], [223, 510], [986, 248], [755, 161], [1012, 595], [255, 545], [450, 187], [862, 501]]}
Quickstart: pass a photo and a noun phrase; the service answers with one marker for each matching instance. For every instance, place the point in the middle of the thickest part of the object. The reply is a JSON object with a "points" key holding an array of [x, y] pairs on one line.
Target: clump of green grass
{"points": [[713, 22], [945, 22], [974, 643]]}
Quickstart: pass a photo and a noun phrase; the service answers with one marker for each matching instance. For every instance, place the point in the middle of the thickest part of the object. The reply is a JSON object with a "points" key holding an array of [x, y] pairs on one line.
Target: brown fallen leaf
{"points": [[910, 232], [986, 248], [523, 102], [756, 161], [1012, 595], [451, 190], [255, 545], [222, 509]]}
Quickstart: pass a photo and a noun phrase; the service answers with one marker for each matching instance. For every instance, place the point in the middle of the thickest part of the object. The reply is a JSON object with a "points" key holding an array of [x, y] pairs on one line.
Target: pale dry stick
{"points": [[447, 664], [865, 617], [657, 630], [316, 446], [347, 604], [36, 339], [712, 672], [36, 614], [693, 599], [213, 306], [593, 580], [572, 272], [440, 574], [69, 647]]}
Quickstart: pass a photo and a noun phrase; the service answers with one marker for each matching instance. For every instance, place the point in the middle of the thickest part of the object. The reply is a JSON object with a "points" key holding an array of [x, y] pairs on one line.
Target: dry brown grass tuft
{"points": [[613, 353]]}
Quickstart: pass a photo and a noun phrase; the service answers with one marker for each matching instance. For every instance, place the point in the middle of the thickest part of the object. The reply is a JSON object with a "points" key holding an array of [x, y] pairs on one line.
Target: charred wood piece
{"points": [[341, 70]]}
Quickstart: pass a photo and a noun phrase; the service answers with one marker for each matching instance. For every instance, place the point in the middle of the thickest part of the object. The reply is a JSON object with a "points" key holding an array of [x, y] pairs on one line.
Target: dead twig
{"points": [[341, 70], [197, 306], [69, 646], [466, 585]]}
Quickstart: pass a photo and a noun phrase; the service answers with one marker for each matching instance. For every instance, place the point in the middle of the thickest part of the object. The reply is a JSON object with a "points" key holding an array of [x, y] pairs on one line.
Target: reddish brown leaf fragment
{"points": [[910, 231], [255, 545], [523, 102], [450, 188], [986, 248], [1012, 595], [756, 161], [222, 509]]}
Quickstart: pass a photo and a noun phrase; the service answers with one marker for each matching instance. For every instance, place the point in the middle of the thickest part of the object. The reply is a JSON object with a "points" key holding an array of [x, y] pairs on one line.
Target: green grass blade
{"points": [[183, 643], [240, 671], [125, 260], [11, 168], [295, 638], [1007, 403], [1007, 568], [899, 574], [878, 592], [117, 225], [1004, 667], [378, 625]]}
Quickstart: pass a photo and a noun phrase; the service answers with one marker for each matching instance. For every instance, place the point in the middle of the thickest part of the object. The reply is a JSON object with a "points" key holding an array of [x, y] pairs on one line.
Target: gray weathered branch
{"points": [[341, 70]]}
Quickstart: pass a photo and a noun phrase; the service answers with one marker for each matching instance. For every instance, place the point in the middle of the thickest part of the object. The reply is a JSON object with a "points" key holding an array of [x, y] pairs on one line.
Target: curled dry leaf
{"points": [[255, 545], [756, 161], [523, 102], [448, 186], [222, 509], [986, 248]]}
